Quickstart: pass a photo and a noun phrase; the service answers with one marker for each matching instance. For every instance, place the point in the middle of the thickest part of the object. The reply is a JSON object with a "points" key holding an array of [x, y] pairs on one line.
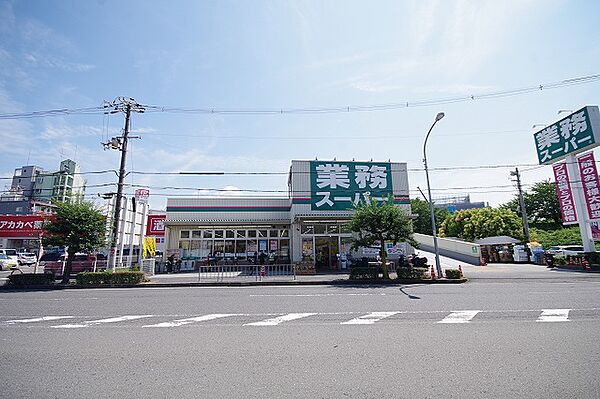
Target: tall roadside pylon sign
{"points": [[577, 185]]}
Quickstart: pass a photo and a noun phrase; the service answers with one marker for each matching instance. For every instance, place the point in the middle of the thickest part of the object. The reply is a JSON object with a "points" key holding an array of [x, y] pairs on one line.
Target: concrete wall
{"points": [[464, 251]]}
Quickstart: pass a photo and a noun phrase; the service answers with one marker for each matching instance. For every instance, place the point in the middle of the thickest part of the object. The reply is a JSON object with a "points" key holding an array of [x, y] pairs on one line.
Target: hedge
{"points": [[412, 273], [108, 278], [453, 274], [364, 273], [25, 279]]}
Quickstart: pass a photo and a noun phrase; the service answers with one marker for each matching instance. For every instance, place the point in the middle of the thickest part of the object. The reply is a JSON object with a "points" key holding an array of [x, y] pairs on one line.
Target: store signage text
{"points": [[578, 132], [564, 193], [342, 185]]}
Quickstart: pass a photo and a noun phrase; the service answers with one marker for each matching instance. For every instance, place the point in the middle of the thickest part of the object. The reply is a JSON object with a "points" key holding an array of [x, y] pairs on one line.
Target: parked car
{"points": [[5, 262], [27, 258], [565, 250], [11, 258]]}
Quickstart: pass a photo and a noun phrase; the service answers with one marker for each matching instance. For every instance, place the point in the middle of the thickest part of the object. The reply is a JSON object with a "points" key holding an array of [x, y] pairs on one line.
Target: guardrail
{"points": [[220, 273]]}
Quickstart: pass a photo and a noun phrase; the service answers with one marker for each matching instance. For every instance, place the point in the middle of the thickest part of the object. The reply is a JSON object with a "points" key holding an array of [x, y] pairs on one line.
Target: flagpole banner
{"points": [[564, 193], [591, 185]]}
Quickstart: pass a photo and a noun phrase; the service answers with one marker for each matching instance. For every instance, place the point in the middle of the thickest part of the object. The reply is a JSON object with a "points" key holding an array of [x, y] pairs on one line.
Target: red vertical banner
{"points": [[564, 193], [591, 185]]}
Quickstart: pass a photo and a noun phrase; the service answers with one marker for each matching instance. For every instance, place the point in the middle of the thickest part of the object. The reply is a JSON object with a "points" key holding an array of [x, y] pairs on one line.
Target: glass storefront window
{"points": [[251, 233], [262, 233], [284, 233], [229, 233], [307, 229], [273, 233], [208, 234], [252, 247], [206, 248], [185, 234], [218, 234], [240, 249], [184, 244], [229, 248], [197, 234], [320, 228], [241, 233], [307, 250], [219, 247], [194, 249], [333, 229]]}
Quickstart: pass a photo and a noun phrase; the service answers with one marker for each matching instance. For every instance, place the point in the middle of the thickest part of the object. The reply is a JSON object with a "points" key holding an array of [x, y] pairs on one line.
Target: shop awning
{"points": [[497, 240]]}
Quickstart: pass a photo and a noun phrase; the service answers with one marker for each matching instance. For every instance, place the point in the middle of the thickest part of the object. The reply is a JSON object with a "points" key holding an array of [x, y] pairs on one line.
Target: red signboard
{"points": [[591, 185], [565, 195], [156, 225], [21, 225]]}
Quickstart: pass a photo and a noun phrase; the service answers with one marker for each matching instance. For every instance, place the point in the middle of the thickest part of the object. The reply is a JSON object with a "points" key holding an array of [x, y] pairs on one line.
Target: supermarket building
{"points": [[306, 227]]}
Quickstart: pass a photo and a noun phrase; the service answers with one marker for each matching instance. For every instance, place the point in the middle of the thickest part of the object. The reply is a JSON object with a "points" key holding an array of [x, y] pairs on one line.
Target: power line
{"points": [[106, 108]]}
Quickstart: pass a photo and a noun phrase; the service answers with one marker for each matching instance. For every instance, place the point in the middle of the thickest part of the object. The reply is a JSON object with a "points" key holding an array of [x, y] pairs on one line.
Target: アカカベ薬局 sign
{"points": [[342, 185], [578, 132]]}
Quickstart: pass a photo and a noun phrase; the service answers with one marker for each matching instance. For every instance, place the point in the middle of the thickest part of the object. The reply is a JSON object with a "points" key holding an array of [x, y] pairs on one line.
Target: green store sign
{"points": [[342, 185], [576, 133]]}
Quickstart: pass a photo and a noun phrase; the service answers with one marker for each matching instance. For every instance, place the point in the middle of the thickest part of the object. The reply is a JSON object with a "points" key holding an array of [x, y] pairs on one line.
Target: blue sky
{"points": [[241, 55]]}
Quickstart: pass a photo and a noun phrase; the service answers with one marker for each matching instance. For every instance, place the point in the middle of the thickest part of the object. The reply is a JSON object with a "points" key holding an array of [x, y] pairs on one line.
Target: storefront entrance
{"points": [[326, 251]]}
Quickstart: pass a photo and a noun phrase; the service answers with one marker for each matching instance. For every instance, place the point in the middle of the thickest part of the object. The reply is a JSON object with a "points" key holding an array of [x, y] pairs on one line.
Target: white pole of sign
{"points": [[580, 205], [143, 232], [131, 234], [124, 212]]}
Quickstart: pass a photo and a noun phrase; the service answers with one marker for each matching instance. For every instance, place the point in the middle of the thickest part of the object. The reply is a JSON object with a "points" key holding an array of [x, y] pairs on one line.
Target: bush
{"points": [[593, 258], [364, 273], [411, 273], [453, 274], [108, 278], [560, 260], [26, 279]]}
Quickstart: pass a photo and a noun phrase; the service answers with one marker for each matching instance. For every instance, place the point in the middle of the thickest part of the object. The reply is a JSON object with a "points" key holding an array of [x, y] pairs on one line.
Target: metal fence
{"points": [[220, 273]]}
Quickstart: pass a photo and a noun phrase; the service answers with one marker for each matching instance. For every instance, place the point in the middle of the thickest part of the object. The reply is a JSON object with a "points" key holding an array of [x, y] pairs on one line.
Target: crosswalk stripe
{"points": [[103, 321], [464, 316], [44, 318], [370, 318], [280, 319], [182, 322], [553, 315]]}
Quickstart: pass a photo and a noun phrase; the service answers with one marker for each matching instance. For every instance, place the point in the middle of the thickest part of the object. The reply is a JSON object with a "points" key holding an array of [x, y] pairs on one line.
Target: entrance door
{"points": [[326, 251]]}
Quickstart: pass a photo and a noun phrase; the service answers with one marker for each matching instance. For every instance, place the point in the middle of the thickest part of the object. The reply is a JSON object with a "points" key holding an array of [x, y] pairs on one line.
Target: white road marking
{"points": [[182, 322], [309, 295], [103, 321], [44, 318], [370, 318], [278, 320], [464, 316], [553, 315]]}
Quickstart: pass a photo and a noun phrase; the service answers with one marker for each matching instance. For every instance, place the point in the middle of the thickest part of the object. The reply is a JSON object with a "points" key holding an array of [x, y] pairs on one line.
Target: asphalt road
{"points": [[529, 338]]}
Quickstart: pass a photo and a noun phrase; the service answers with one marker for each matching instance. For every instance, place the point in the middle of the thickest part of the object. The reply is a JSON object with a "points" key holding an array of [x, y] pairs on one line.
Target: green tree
{"points": [[79, 226], [549, 238], [541, 204], [422, 223], [378, 222], [472, 224]]}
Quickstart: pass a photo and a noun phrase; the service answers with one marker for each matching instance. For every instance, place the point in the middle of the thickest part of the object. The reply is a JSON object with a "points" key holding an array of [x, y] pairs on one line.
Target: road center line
{"points": [[103, 321], [554, 315], [463, 316], [370, 318], [280, 319], [182, 322]]}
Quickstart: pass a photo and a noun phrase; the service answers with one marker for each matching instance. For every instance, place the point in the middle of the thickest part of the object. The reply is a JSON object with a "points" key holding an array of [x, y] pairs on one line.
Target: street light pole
{"points": [[438, 267]]}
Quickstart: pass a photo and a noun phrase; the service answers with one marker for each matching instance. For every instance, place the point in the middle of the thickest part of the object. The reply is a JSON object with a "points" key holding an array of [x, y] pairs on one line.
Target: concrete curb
{"points": [[356, 283]]}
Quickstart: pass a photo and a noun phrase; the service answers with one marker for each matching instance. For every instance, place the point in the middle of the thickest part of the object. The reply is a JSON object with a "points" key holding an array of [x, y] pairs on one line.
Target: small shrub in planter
{"points": [[29, 279], [452, 274], [560, 260], [108, 278], [364, 273], [411, 273]]}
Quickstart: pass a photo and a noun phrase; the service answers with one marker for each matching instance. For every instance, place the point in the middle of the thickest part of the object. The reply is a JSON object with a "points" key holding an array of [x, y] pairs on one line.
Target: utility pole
{"points": [[126, 106], [522, 204]]}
